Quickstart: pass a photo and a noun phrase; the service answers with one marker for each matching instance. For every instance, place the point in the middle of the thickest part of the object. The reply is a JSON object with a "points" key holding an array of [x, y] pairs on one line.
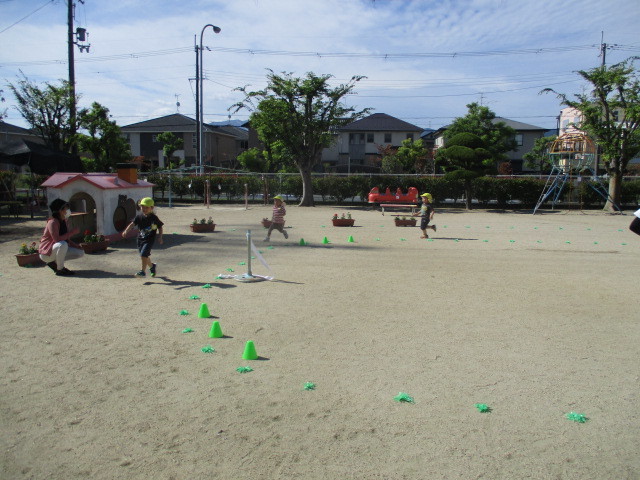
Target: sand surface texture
{"points": [[534, 316]]}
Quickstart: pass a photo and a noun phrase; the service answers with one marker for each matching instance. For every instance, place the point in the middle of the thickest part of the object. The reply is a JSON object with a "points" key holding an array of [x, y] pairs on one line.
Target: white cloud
{"points": [[428, 90]]}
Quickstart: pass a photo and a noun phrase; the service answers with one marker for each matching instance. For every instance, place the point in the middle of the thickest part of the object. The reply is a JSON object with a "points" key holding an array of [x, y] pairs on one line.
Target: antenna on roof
{"points": [[177, 103]]}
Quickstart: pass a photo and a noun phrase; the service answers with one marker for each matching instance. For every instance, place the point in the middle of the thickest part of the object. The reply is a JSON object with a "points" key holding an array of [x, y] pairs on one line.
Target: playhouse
{"points": [[103, 203]]}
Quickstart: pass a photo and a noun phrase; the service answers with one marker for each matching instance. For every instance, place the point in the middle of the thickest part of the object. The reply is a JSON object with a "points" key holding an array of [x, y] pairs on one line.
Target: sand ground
{"points": [[534, 316]]}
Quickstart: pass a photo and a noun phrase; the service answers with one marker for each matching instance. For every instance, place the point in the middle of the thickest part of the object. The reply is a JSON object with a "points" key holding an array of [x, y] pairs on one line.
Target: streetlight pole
{"points": [[200, 116]]}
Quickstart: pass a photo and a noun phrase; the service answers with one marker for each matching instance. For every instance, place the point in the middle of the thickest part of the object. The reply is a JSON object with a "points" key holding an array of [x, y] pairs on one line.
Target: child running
{"points": [[426, 212], [277, 218], [148, 224]]}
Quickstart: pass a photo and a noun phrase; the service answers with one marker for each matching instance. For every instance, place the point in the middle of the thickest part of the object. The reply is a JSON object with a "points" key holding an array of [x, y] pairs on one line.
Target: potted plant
{"points": [[405, 222], [203, 225], [28, 255], [343, 221], [92, 243]]}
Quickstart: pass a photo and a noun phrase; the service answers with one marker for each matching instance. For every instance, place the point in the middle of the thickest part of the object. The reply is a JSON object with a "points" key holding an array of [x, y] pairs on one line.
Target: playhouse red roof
{"points": [[104, 181]]}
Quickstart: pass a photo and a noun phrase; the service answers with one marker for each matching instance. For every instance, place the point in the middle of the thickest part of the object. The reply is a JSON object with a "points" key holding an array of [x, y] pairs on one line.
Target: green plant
{"points": [[92, 237], [28, 249], [210, 221]]}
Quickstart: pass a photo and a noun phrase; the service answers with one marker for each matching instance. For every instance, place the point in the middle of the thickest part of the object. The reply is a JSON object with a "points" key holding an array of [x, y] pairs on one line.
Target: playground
{"points": [[376, 357]]}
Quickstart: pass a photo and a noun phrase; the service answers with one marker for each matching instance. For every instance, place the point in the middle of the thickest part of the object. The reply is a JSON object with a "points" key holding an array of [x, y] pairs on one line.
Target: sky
{"points": [[424, 61]]}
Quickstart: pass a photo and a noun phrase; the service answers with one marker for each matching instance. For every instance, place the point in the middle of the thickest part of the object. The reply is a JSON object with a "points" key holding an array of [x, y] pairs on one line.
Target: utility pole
{"points": [[72, 38], [72, 75], [197, 101]]}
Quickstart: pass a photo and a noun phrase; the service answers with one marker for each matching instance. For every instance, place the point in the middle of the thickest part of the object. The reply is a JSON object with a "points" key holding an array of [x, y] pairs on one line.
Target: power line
{"points": [[27, 16]]}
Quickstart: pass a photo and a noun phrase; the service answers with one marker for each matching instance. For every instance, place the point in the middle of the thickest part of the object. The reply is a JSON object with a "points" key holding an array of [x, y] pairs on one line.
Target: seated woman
{"points": [[56, 245]]}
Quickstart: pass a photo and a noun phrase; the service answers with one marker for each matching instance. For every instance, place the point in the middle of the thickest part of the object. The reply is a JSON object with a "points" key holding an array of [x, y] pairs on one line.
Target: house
{"points": [[12, 134], [356, 145], [102, 203], [221, 145], [526, 136]]}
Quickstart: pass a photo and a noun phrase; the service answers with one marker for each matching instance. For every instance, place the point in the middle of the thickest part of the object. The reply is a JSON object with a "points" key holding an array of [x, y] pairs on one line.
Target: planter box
{"points": [[406, 223], [29, 260], [202, 227], [94, 247], [343, 222]]}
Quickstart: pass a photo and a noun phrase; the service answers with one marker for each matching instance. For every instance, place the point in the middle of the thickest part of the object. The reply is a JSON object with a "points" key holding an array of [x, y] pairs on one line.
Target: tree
{"points": [[497, 137], [105, 140], [3, 112], [297, 116], [611, 117], [537, 157], [170, 143], [467, 158], [46, 110]]}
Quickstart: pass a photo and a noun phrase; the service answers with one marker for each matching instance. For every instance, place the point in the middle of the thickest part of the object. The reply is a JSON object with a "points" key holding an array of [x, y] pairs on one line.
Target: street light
{"points": [[199, 96]]}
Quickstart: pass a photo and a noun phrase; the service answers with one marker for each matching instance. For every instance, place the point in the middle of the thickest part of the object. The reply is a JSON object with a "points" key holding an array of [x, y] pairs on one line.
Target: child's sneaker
{"points": [[153, 269], [286, 235], [266, 239], [141, 274], [434, 227]]}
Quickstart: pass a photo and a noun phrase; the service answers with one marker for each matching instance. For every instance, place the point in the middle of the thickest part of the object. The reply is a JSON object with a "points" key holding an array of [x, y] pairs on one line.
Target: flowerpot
{"points": [[202, 227], [94, 247], [406, 223], [343, 222], [29, 260]]}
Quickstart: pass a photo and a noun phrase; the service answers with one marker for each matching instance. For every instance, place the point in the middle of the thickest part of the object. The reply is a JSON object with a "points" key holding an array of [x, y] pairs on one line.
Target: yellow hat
{"points": [[428, 195], [277, 197], [147, 202]]}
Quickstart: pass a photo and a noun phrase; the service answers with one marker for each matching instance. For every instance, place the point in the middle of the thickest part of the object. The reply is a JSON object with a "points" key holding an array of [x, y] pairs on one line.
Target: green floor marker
{"points": [[378, 239], [444, 226], [244, 369], [403, 398], [242, 263], [467, 226], [620, 230], [456, 240], [567, 241], [595, 243], [323, 226], [207, 349], [483, 407], [576, 417], [187, 330], [270, 247], [588, 229], [535, 228], [309, 386], [512, 241], [560, 228], [539, 241], [229, 269], [623, 244], [486, 241], [194, 297], [206, 285], [403, 239], [429, 239], [184, 312]]}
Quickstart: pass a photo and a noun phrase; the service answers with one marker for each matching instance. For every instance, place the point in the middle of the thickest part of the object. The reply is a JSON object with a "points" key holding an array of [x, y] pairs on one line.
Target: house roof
{"points": [[176, 122], [380, 122], [103, 181], [517, 125], [14, 129], [238, 132]]}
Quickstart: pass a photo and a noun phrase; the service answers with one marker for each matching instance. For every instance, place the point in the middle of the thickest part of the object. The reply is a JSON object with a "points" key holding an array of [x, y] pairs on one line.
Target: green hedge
{"points": [[489, 191]]}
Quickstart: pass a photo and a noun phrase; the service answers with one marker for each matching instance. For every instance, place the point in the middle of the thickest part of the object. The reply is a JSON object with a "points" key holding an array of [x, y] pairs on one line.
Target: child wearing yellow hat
{"points": [[426, 212], [277, 218], [148, 225]]}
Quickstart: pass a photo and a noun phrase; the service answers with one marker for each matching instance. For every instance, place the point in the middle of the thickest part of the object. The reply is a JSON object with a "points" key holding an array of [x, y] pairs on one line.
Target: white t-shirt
{"points": [[637, 213]]}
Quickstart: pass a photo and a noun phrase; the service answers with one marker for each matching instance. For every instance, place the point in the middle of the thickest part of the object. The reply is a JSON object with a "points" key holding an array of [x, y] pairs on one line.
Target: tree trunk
{"points": [[467, 190], [615, 184], [307, 188]]}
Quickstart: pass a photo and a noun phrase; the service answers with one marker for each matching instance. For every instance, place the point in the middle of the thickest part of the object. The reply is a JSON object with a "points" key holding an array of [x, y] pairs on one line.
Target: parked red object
{"points": [[398, 197]]}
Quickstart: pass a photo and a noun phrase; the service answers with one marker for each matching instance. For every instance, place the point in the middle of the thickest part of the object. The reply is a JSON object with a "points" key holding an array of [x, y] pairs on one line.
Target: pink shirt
{"points": [[278, 214], [51, 236]]}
